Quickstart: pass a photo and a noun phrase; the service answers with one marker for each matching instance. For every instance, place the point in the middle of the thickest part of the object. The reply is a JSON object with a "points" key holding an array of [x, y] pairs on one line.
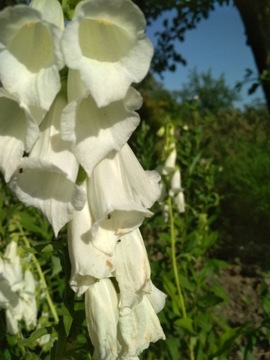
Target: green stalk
{"points": [[175, 270], [41, 275]]}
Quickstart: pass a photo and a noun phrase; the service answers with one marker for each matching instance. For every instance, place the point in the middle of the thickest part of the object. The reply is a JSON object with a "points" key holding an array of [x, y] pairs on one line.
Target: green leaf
{"points": [[56, 265], [173, 346], [227, 340], [67, 319], [34, 336], [187, 324]]}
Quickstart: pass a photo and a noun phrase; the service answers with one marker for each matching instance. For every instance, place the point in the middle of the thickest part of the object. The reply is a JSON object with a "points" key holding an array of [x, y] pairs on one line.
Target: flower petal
{"points": [[28, 299], [42, 185], [18, 132], [105, 41], [144, 184], [46, 179], [157, 298], [87, 263], [132, 270], [119, 193], [12, 322], [50, 146], [102, 318], [11, 280], [30, 56], [51, 11], [169, 165], [95, 132], [138, 328], [176, 191]]}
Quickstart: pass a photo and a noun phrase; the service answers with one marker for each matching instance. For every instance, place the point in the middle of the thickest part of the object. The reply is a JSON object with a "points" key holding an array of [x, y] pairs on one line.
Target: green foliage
{"points": [[212, 95], [68, 7], [178, 248]]}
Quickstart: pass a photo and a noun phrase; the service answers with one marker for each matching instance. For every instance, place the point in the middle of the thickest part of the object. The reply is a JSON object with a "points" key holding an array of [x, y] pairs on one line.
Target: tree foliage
{"points": [[211, 94]]}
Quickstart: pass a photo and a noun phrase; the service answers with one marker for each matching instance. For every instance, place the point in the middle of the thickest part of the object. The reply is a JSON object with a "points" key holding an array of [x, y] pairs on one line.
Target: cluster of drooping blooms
{"points": [[63, 149], [170, 172], [17, 290]]}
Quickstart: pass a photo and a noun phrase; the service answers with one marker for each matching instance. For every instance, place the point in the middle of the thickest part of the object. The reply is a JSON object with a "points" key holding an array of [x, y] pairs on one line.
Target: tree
{"points": [[256, 19], [212, 94]]}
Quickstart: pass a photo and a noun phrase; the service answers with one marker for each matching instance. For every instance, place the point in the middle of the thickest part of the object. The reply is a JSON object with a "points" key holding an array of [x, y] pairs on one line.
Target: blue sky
{"points": [[218, 43]]}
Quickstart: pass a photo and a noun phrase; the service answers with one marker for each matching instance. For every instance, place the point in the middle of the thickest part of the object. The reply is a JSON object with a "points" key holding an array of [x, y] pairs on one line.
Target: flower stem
{"points": [[175, 270], [41, 275]]}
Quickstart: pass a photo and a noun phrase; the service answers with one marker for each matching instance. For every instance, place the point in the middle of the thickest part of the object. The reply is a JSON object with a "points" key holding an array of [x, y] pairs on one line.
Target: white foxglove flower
{"points": [[18, 132], [138, 328], [132, 270], [106, 43], [26, 309], [119, 194], [179, 201], [170, 162], [11, 277], [87, 262], [115, 336], [101, 306], [30, 57], [46, 179], [176, 191], [17, 291], [94, 131]]}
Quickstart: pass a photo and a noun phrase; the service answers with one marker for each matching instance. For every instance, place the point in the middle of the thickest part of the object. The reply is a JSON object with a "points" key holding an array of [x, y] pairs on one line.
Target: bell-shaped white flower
{"points": [[113, 335], [101, 306], [11, 277], [26, 308], [119, 194], [176, 191], [17, 291], [18, 132], [87, 262], [94, 131], [46, 179], [132, 270], [106, 43], [169, 165], [30, 57], [138, 328]]}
